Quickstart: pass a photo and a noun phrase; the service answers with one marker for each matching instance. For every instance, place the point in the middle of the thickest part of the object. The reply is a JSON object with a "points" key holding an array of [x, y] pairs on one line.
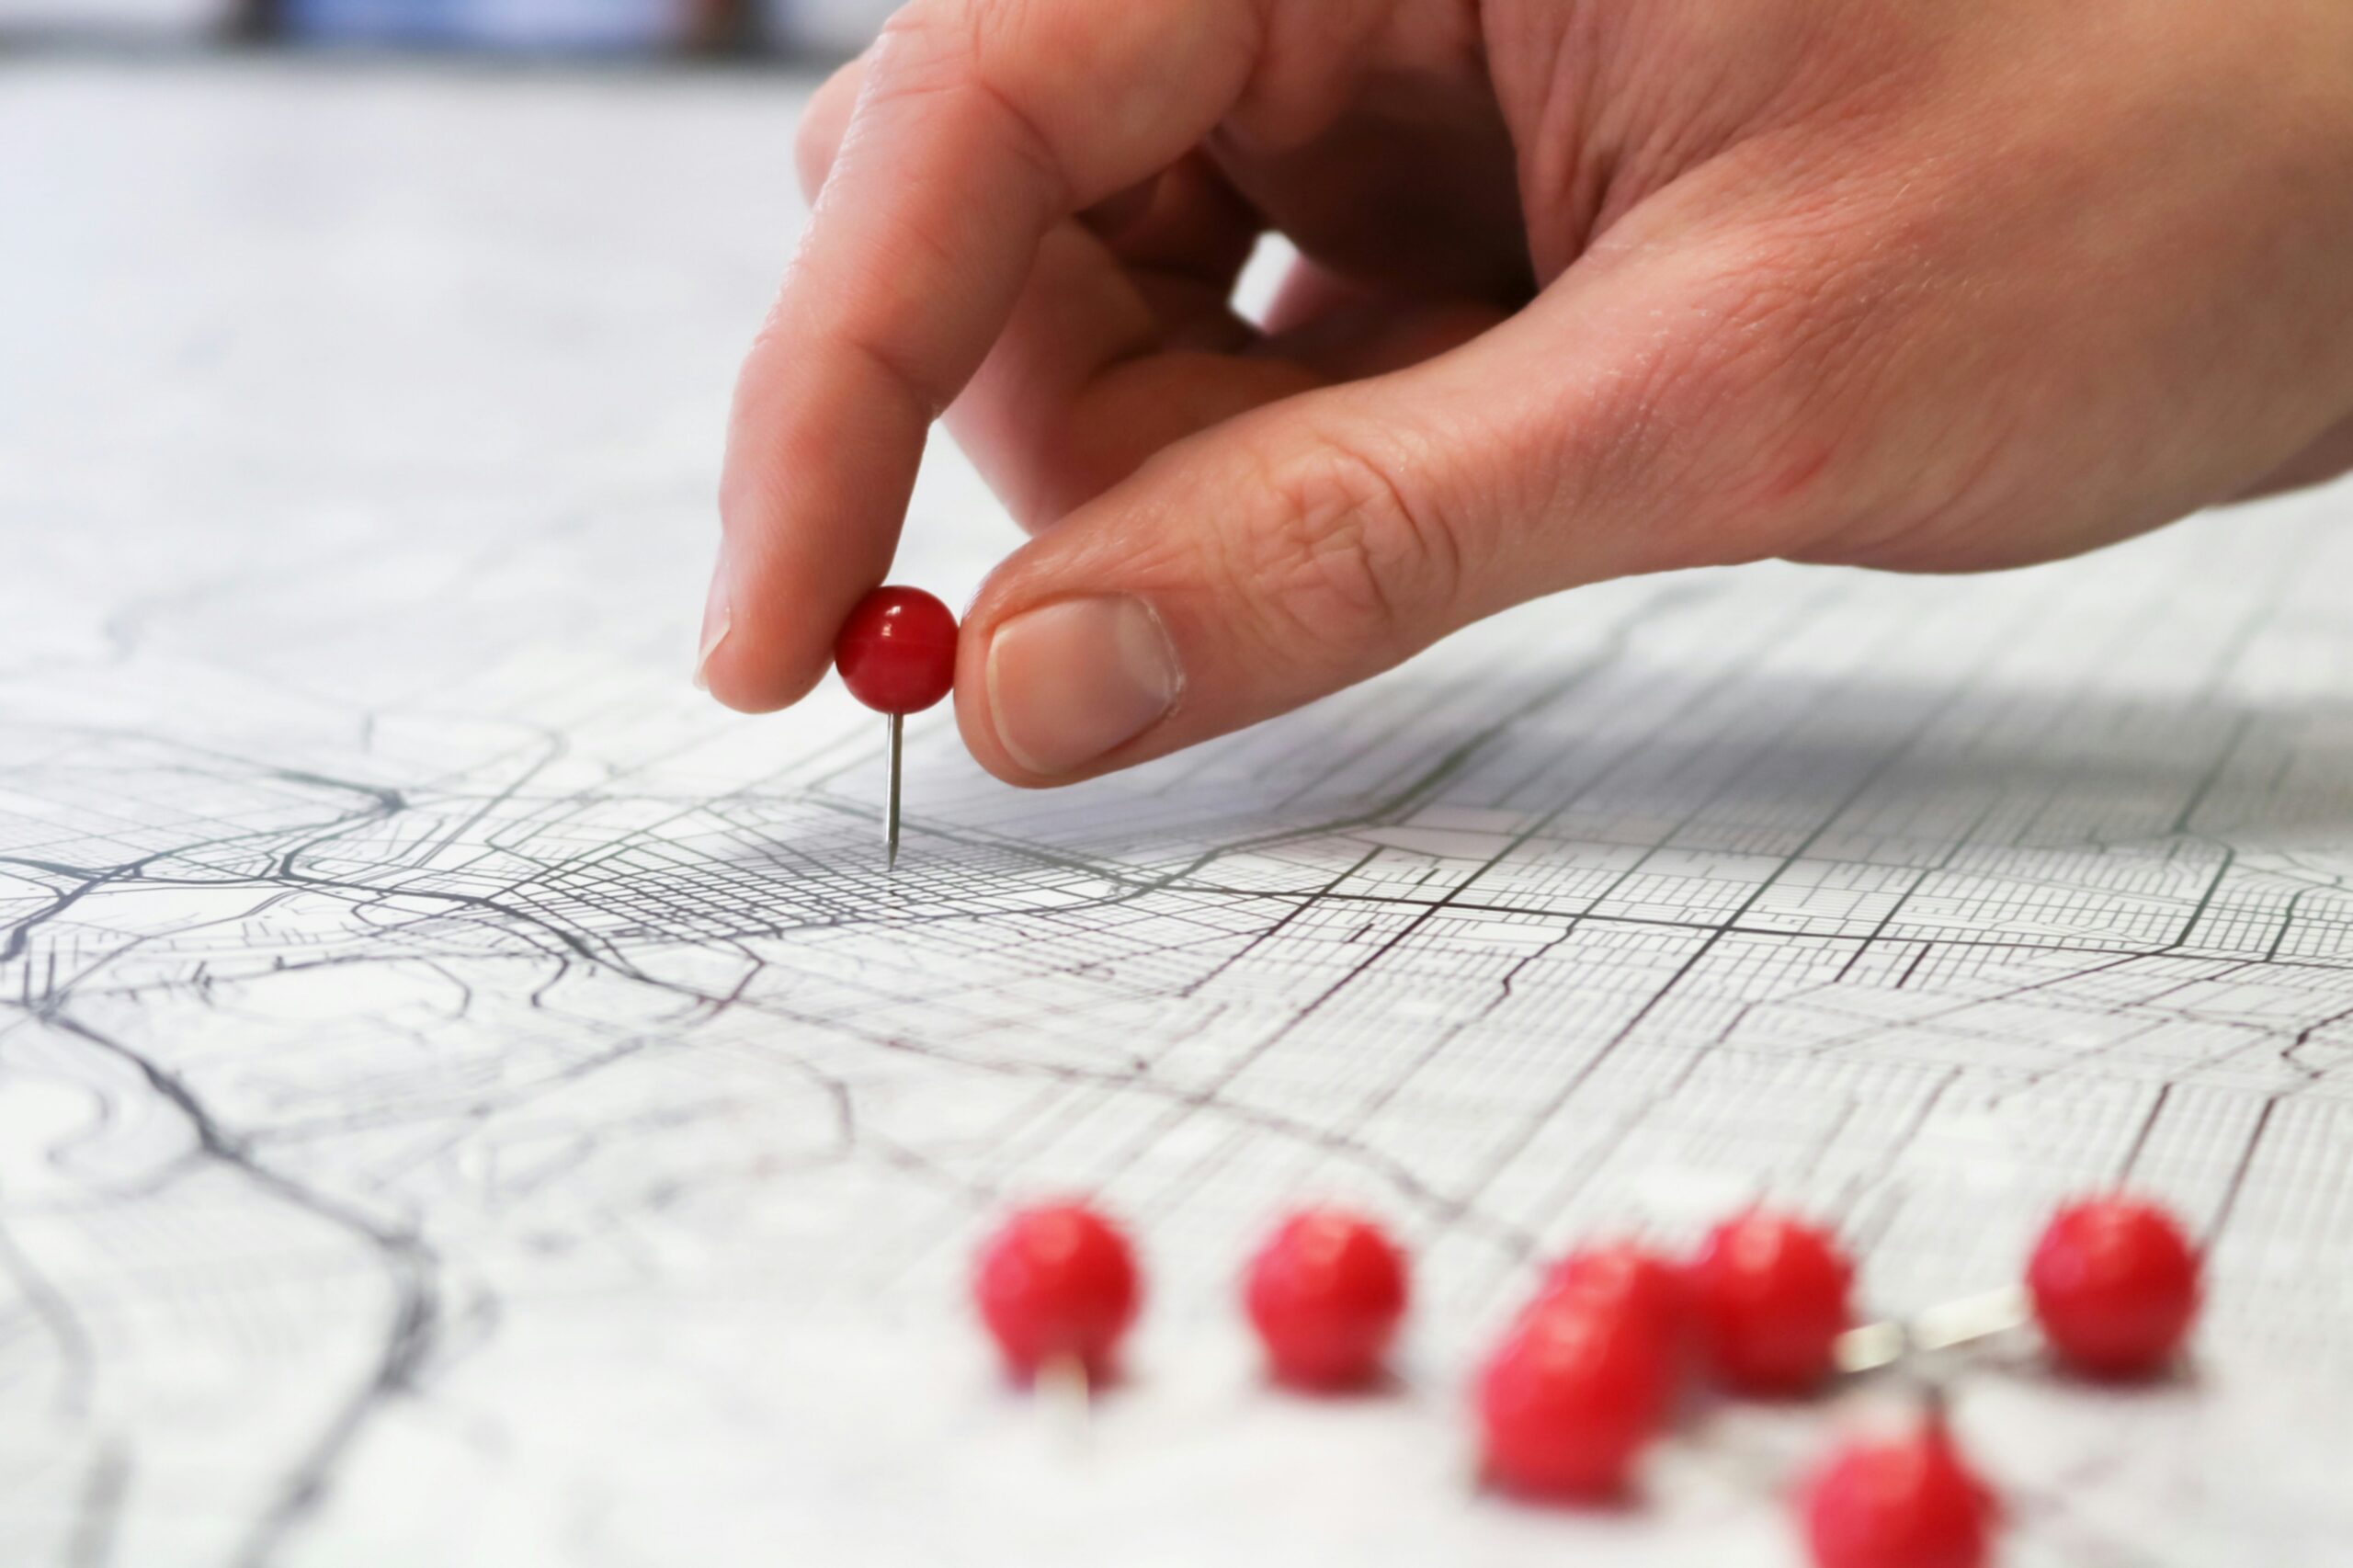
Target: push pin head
{"points": [[1057, 1285], [897, 651], [1326, 1294], [2115, 1285], [897, 655], [1577, 1389], [1907, 1501], [1769, 1299]]}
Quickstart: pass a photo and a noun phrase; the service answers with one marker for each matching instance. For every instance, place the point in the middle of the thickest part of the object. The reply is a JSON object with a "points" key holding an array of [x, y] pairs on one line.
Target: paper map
{"points": [[464, 1098]]}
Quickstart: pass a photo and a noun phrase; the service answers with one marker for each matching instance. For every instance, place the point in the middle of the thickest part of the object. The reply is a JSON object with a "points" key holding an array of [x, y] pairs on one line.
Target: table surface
{"points": [[466, 1099]]}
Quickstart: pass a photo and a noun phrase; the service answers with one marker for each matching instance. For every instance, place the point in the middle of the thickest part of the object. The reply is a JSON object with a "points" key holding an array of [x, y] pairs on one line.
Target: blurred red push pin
{"points": [[1769, 1298], [1326, 1294], [2114, 1283], [1057, 1285], [1568, 1402], [1909, 1500], [897, 655]]}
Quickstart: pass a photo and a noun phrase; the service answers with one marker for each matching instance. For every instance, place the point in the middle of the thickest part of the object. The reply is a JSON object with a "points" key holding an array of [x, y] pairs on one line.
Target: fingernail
{"points": [[718, 618], [1070, 681]]}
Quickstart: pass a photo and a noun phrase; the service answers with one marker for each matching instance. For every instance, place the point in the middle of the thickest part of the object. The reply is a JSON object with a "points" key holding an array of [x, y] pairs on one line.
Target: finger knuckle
{"points": [[948, 58], [1348, 554]]}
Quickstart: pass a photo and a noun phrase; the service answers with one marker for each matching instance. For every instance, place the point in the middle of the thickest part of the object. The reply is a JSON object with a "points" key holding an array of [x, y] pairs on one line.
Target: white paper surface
{"points": [[465, 1099]]}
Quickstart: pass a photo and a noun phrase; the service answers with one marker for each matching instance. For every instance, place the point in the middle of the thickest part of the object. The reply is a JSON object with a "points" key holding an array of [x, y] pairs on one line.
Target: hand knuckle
{"points": [[1757, 403]]}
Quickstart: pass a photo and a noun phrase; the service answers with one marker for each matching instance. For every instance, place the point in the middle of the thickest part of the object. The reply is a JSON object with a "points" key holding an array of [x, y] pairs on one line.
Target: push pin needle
{"points": [[898, 728], [1057, 1287], [897, 655], [1875, 1344]]}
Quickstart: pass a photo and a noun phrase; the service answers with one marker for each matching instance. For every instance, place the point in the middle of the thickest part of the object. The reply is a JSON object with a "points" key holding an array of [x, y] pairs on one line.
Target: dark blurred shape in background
{"points": [[798, 29]]}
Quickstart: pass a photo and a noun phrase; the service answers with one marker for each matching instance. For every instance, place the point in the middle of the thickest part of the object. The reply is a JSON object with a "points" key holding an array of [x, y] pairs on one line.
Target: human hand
{"points": [[1589, 289]]}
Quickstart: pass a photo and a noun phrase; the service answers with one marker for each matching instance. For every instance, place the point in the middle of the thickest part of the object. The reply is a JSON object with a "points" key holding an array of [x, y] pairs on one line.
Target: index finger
{"points": [[981, 123]]}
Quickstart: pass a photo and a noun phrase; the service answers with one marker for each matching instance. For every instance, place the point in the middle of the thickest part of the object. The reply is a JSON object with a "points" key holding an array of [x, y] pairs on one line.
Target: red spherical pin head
{"points": [[1627, 1276], [1570, 1398], [1057, 1282], [1769, 1300], [2115, 1287], [1907, 1502], [897, 651], [1325, 1293]]}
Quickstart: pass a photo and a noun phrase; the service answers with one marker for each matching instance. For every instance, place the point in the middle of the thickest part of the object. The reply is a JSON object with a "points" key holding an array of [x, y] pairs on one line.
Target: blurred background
{"points": [[784, 30]]}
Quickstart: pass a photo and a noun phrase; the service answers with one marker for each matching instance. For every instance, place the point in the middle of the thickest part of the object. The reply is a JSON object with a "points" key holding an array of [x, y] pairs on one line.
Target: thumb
{"points": [[1311, 544]]}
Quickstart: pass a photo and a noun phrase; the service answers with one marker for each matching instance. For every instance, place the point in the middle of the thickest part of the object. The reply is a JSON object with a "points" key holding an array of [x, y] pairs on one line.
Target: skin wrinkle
{"points": [[1839, 336], [1613, 124], [908, 68], [1337, 551], [1871, 310]]}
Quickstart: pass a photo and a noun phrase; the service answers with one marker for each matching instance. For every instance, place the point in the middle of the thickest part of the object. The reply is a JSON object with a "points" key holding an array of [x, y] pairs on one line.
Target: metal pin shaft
{"points": [[1070, 1397], [891, 798], [1877, 1345]]}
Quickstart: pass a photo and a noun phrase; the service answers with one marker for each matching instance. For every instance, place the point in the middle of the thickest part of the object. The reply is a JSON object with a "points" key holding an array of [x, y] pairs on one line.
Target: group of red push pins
{"points": [[1587, 1375]]}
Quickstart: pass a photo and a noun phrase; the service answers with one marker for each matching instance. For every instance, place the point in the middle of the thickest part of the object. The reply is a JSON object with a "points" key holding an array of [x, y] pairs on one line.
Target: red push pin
{"points": [[1568, 1402], [1629, 1276], [2115, 1286], [1769, 1300], [1907, 1502], [1325, 1293], [897, 655], [1057, 1287]]}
